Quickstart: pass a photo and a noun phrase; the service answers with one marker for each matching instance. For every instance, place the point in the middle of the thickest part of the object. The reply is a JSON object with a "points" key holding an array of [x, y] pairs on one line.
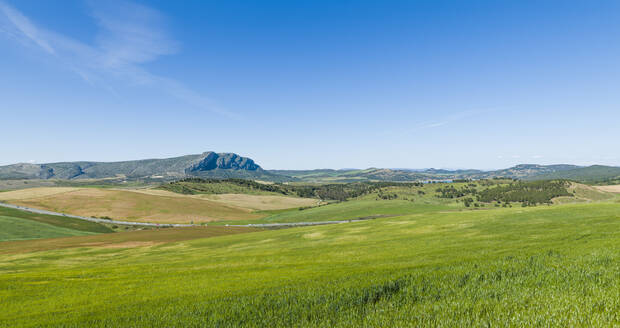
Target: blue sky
{"points": [[313, 84]]}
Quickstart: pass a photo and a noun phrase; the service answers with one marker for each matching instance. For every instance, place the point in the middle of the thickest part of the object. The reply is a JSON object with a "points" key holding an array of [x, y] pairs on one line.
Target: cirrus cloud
{"points": [[129, 36]]}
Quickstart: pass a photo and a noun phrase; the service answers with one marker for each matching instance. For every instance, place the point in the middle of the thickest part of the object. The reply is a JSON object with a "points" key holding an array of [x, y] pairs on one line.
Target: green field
{"points": [[20, 225], [128, 239], [12, 228], [535, 266], [350, 210]]}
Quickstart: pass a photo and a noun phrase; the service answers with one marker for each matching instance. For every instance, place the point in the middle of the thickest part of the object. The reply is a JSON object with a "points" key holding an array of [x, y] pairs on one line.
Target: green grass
{"points": [[12, 228], [22, 225], [56, 221], [540, 266], [127, 239], [591, 194], [409, 201], [355, 209]]}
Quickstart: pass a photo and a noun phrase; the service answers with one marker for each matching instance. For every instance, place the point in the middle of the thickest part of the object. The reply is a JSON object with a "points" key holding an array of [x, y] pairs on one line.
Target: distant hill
{"points": [[208, 164], [232, 166], [522, 171], [589, 174], [527, 171]]}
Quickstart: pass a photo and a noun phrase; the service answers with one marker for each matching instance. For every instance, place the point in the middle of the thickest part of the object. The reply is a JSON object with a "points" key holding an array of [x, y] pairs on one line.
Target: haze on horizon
{"points": [[395, 84]]}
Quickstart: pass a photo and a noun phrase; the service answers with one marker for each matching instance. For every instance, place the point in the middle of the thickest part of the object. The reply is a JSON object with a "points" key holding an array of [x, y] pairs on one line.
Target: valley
{"points": [[476, 249], [446, 266]]}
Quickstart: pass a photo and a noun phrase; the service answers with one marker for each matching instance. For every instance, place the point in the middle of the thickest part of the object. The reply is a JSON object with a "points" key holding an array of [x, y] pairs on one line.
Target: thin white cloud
{"points": [[455, 117], [131, 33], [23, 25], [129, 36], [430, 125]]}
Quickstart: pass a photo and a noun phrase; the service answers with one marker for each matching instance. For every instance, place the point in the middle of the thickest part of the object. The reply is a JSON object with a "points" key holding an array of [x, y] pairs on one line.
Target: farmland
{"points": [[131, 239], [493, 252], [20, 225], [12, 228], [534, 266], [244, 202], [157, 206]]}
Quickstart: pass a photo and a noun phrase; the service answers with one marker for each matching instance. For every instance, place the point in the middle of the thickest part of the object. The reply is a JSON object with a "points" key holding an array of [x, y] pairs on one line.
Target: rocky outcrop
{"points": [[205, 164]]}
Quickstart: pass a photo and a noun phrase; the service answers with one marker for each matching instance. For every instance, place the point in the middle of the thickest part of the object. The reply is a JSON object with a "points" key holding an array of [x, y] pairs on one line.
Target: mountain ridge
{"points": [[230, 165], [175, 167], [591, 174]]}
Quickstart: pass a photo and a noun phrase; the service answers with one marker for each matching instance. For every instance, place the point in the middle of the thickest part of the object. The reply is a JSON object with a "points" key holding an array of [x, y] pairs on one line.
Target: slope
{"points": [[500, 267], [20, 225], [130, 205], [153, 205], [12, 228], [591, 174]]}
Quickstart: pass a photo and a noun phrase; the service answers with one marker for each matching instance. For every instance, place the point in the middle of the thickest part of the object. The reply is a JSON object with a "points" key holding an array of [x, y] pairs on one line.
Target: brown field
{"points": [[150, 205], [614, 189], [584, 193], [250, 202], [261, 202], [131, 239], [34, 193], [128, 205]]}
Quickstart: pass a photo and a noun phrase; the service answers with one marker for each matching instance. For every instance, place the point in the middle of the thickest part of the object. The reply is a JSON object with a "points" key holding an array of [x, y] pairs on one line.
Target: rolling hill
{"points": [[591, 174], [207, 164], [153, 205], [544, 266], [21, 225], [522, 171]]}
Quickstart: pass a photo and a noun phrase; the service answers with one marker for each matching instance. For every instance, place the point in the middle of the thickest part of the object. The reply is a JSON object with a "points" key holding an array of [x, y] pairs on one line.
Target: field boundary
{"points": [[295, 224], [149, 224]]}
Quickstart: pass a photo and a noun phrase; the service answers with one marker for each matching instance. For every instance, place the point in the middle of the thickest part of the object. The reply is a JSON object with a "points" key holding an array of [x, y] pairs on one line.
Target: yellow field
{"points": [[614, 189], [261, 202], [584, 193], [34, 193], [148, 205], [250, 202]]}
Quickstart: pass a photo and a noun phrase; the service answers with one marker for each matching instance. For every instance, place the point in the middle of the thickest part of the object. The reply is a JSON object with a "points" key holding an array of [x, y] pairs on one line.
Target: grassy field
{"points": [[354, 209], [262, 202], [20, 225], [132, 239], [151, 205], [515, 267], [584, 193], [612, 188], [12, 228], [164, 206]]}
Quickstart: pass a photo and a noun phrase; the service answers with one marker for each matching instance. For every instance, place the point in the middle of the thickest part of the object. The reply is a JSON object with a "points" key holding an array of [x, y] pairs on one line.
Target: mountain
{"points": [[527, 171], [208, 164], [229, 165]]}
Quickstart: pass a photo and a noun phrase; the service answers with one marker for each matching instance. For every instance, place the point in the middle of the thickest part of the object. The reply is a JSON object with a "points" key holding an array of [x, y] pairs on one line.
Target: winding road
{"points": [[150, 224], [147, 224]]}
